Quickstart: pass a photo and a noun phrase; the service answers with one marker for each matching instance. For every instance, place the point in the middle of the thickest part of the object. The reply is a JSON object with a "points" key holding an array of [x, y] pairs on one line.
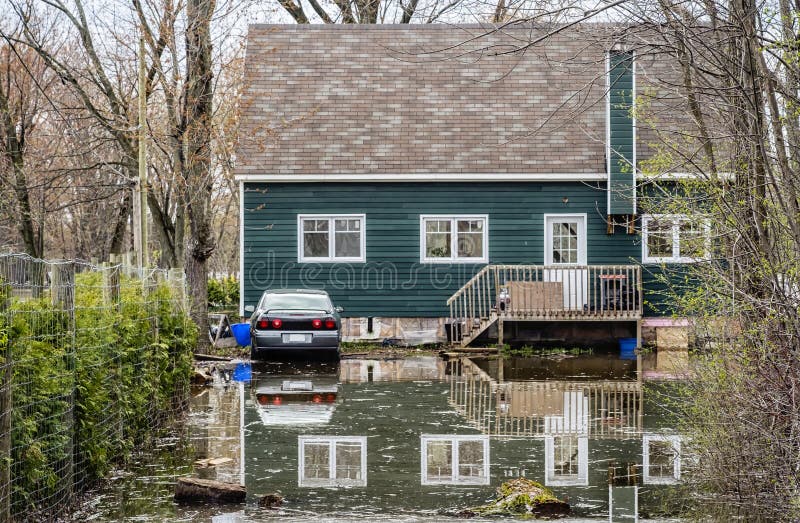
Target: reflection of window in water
{"points": [[332, 461], [455, 460], [566, 460], [661, 459]]}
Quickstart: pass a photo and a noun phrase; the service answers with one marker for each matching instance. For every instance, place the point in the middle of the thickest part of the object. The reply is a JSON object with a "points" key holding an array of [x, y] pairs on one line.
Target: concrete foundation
{"points": [[414, 331]]}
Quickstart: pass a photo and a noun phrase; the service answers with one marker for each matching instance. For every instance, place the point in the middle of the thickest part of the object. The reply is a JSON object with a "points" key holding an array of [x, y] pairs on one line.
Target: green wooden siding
{"points": [[393, 282], [621, 166]]}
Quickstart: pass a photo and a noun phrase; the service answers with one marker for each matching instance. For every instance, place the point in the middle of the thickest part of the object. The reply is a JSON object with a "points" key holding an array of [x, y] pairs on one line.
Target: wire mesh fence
{"points": [[93, 360]]}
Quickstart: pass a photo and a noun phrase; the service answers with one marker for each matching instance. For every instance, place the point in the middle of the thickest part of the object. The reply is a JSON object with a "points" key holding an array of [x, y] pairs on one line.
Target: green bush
{"points": [[223, 292], [124, 370]]}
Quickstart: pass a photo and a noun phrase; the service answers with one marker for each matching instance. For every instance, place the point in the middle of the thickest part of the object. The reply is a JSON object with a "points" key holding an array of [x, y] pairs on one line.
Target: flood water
{"points": [[411, 439]]}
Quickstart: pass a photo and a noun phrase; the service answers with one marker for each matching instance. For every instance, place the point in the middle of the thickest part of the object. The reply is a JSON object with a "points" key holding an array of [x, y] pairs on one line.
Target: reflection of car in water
{"points": [[296, 400]]}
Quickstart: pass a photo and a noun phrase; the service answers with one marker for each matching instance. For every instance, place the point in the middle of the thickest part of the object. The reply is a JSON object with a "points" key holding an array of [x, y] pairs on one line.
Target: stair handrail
{"points": [[470, 283]]}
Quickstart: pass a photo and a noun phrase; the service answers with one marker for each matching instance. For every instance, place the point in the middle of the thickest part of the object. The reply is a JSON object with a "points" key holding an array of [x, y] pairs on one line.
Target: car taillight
{"points": [[316, 324], [264, 399], [277, 323], [330, 398], [317, 398], [330, 324], [262, 324]]}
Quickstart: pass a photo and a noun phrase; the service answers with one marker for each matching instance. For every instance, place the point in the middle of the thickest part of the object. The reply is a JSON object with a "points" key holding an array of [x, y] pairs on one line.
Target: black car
{"points": [[294, 319]]}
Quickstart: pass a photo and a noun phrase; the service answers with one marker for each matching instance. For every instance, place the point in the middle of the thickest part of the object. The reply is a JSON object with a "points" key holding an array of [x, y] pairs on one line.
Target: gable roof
{"points": [[416, 99]]}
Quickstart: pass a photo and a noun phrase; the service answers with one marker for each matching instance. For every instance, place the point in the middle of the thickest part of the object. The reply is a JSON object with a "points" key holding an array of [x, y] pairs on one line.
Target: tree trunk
{"points": [[197, 116]]}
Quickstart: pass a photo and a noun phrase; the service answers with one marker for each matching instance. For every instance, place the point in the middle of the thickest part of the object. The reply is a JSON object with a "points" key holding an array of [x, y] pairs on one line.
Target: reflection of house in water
{"points": [[603, 408], [592, 423], [422, 435], [400, 369]]}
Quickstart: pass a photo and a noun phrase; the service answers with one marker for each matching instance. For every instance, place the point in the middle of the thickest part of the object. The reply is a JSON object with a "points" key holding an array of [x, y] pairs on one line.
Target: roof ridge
{"points": [[438, 26]]}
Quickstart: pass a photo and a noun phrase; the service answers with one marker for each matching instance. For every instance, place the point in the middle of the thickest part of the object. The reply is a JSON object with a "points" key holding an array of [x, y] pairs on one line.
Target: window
{"points": [[661, 459], [565, 239], [454, 239], [674, 239], [331, 238], [462, 460], [325, 461], [566, 460]]}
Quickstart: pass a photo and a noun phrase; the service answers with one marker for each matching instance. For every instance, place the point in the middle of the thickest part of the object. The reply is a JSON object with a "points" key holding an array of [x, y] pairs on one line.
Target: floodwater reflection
{"points": [[416, 438]]}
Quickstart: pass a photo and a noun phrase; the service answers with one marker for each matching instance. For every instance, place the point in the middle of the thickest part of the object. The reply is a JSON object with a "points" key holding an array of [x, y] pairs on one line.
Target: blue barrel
{"points": [[241, 331], [627, 348]]}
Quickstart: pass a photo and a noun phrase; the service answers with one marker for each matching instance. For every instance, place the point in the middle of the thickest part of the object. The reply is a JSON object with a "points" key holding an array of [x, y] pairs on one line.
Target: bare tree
{"points": [[720, 101]]}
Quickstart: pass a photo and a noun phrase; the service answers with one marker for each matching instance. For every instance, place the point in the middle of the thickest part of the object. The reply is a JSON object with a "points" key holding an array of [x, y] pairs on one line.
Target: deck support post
{"points": [[500, 334], [639, 334]]}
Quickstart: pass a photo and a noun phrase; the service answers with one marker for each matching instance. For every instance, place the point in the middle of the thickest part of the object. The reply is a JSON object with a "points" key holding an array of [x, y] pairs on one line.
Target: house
{"points": [[440, 185]]}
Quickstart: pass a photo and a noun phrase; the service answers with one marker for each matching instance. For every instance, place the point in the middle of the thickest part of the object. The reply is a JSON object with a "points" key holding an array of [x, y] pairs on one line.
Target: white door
{"points": [[565, 256]]}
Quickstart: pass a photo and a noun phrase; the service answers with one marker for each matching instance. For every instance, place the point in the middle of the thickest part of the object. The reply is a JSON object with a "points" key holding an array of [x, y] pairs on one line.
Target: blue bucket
{"points": [[627, 348], [241, 331]]}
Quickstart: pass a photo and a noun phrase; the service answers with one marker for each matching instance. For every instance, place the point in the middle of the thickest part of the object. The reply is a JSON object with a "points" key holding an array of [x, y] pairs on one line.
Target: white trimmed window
{"points": [[566, 461], [460, 239], [325, 461], [674, 239], [455, 460], [661, 459], [331, 238]]}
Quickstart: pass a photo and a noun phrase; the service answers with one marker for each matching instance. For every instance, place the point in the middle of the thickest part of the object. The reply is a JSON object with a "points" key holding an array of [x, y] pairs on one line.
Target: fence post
{"points": [[64, 293], [5, 394]]}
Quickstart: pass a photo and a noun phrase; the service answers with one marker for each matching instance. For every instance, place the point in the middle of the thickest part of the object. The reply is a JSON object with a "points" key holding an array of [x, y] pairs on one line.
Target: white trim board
{"points": [[241, 249], [423, 177]]}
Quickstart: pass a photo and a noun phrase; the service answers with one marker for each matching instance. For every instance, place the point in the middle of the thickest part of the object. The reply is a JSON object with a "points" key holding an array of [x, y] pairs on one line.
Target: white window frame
{"points": [[676, 466], [332, 481], [454, 219], [331, 238], [455, 478], [548, 237], [676, 220], [581, 479]]}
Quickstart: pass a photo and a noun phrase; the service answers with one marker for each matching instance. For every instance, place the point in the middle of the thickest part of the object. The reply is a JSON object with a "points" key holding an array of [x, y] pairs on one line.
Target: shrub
{"points": [[223, 292], [123, 367]]}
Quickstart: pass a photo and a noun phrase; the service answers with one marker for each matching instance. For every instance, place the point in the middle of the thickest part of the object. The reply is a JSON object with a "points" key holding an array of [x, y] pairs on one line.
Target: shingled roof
{"points": [[355, 99]]}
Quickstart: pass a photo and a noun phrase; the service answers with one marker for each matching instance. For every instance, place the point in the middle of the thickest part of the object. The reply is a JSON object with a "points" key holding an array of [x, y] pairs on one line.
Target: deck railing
{"points": [[542, 292]]}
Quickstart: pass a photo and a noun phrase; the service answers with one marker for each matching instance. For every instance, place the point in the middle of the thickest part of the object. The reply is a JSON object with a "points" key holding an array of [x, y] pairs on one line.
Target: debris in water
{"points": [[205, 490], [270, 500]]}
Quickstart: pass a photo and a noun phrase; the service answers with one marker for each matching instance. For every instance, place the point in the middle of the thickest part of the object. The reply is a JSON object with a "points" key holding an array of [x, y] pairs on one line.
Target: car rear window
{"points": [[296, 301]]}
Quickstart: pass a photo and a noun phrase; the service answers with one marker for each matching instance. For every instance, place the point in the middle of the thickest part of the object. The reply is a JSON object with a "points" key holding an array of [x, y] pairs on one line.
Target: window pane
{"points": [[315, 225], [347, 224], [470, 225], [437, 225], [315, 244], [659, 239], [347, 244], [565, 242], [662, 459], [691, 240], [440, 460], [470, 458], [437, 245], [565, 460], [316, 461], [470, 245], [348, 460]]}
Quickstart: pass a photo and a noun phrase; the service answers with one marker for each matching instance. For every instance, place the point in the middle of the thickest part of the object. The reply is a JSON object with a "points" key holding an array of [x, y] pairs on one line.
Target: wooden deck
{"points": [[499, 293]]}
